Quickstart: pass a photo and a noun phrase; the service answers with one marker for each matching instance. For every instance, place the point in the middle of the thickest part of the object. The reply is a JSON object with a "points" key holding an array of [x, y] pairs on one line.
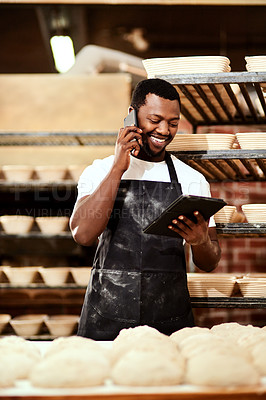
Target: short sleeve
{"points": [[92, 176]]}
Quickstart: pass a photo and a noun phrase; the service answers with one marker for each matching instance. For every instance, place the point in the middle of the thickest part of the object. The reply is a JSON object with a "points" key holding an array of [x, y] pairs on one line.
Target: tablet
{"points": [[184, 205]]}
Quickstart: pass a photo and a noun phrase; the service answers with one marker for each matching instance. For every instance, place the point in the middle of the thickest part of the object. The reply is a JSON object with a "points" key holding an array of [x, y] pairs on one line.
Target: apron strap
{"points": [[171, 168]]}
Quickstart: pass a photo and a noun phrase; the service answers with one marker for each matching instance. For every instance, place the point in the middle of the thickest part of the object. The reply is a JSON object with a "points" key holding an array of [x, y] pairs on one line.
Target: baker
{"points": [[137, 278]]}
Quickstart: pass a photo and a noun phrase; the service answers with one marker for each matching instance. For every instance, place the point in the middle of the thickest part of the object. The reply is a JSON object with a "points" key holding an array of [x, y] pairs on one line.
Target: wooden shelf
{"points": [[57, 138], [241, 230], [33, 286], [36, 235], [208, 99], [227, 165], [228, 302], [230, 229], [35, 184]]}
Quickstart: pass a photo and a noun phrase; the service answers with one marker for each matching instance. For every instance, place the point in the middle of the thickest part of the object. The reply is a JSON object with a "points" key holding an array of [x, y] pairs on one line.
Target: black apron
{"points": [[137, 278]]}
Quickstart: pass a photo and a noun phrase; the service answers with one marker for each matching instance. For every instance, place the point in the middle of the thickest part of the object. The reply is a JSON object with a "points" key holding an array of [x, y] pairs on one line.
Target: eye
{"points": [[153, 121]]}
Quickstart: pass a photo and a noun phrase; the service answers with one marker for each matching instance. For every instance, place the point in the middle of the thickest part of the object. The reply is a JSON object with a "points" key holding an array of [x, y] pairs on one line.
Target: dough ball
{"points": [[259, 357], [178, 336], [128, 338], [233, 330], [71, 368], [194, 345], [20, 345], [74, 342], [249, 340], [163, 345], [214, 369], [19, 356], [147, 368], [136, 333], [8, 371]]}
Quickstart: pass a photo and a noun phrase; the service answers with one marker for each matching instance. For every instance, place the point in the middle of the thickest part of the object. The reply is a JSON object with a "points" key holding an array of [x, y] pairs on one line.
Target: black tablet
{"points": [[184, 205]]}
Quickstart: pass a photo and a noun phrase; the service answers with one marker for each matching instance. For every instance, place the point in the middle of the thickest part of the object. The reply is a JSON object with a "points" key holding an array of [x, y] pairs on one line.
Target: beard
{"points": [[146, 148]]}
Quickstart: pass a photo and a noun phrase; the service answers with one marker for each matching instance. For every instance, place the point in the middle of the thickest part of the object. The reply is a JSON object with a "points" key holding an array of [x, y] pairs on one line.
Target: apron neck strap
{"points": [[171, 168]]}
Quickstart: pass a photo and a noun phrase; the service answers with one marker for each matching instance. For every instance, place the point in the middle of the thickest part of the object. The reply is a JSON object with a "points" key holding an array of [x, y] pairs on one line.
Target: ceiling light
{"points": [[63, 52]]}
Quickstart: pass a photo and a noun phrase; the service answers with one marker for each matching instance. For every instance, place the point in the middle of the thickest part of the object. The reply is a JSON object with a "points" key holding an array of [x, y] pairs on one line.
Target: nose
{"points": [[163, 128]]}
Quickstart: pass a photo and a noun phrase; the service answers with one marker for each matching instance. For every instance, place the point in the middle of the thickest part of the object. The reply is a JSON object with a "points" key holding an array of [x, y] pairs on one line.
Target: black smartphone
{"points": [[131, 118]]}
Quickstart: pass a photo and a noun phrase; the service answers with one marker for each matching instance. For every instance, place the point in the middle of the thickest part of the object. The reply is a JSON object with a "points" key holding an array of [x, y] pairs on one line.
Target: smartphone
{"points": [[131, 118]]}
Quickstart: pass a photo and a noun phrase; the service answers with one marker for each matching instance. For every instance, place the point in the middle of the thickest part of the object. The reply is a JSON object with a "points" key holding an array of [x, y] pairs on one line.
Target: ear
{"points": [[130, 108]]}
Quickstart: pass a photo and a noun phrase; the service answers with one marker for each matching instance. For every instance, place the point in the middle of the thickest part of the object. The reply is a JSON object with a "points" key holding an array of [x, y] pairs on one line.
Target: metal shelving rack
{"points": [[210, 99], [207, 99], [227, 165]]}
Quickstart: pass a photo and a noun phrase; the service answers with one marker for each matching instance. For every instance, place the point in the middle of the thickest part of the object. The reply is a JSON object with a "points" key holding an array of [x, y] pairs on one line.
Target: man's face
{"points": [[158, 118]]}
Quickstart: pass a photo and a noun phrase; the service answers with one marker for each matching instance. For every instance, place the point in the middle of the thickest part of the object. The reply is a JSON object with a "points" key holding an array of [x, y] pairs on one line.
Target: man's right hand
{"points": [[129, 139]]}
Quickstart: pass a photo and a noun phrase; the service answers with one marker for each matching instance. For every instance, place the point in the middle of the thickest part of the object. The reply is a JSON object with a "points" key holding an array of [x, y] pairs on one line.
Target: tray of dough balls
{"points": [[228, 358]]}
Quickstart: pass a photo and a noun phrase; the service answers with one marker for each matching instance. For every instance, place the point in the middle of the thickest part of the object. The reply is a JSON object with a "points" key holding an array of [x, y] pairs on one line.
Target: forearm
{"points": [[207, 255], [92, 213]]}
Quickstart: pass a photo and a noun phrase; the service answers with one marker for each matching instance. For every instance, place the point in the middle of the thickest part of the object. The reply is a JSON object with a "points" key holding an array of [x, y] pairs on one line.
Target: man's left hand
{"points": [[194, 233]]}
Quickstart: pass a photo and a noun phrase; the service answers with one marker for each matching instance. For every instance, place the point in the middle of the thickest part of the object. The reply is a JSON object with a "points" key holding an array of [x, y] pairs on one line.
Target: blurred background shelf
{"points": [[227, 165], [57, 138], [34, 184]]}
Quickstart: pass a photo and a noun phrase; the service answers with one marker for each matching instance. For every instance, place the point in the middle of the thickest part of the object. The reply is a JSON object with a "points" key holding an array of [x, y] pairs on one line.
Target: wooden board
{"points": [[54, 102], [202, 394]]}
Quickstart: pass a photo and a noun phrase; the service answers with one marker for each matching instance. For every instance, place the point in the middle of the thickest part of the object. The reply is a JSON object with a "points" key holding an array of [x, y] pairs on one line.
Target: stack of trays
{"points": [[52, 225], [17, 173], [252, 287], [51, 173], [28, 325], [198, 142], [41, 173], [257, 64], [252, 140], [51, 276], [34, 324], [81, 275], [62, 325], [193, 65], [4, 320], [22, 224], [255, 213], [20, 276], [16, 224], [54, 276], [211, 285], [186, 65], [225, 215]]}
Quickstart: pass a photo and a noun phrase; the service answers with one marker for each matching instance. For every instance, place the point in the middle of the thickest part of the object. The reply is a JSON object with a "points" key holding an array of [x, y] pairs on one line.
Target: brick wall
{"points": [[241, 254]]}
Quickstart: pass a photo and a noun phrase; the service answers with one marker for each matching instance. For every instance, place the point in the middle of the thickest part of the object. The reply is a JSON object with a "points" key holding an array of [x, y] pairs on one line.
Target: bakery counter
{"points": [[24, 391]]}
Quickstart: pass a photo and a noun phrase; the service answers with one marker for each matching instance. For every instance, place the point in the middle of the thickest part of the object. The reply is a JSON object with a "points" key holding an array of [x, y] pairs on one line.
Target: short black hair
{"points": [[156, 86]]}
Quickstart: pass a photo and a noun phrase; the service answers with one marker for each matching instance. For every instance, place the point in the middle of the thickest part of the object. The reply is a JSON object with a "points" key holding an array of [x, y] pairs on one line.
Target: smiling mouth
{"points": [[158, 141]]}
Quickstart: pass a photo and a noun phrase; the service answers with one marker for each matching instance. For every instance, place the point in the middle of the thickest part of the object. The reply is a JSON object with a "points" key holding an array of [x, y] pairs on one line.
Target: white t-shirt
{"points": [[192, 182]]}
